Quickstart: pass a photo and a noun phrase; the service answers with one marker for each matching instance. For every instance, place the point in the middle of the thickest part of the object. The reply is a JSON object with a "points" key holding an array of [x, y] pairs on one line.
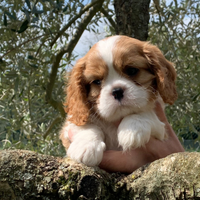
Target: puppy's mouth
{"points": [[116, 113], [117, 102]]}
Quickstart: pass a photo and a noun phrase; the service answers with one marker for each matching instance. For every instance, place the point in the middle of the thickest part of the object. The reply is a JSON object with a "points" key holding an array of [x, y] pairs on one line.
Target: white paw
{"points": [[133, 133], [88, 152]]}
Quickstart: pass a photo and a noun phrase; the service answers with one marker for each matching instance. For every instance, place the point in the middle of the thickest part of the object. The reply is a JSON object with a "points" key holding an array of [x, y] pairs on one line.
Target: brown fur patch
{"points": [[129, 53]]}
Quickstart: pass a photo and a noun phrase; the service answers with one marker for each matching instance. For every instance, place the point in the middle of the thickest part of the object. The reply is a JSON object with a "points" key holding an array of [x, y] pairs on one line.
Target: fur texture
{"points": [[111, 95]]}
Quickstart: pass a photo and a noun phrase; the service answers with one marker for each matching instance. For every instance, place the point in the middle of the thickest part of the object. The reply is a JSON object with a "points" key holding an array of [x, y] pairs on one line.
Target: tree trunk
{"points": [[25, 175], [132, 18]]}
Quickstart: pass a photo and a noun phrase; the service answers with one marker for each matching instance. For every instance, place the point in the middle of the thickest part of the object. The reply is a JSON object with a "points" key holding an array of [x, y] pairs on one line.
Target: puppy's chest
{"points": [[110, 134]]}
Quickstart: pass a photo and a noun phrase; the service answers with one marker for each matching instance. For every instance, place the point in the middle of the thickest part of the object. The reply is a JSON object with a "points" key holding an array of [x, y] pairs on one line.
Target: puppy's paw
{"points": [[133, 133], [89, 153]]}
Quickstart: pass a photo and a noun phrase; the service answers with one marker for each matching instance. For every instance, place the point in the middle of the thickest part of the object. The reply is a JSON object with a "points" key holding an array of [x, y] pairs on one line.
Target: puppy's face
{"points": [[117, 77]]}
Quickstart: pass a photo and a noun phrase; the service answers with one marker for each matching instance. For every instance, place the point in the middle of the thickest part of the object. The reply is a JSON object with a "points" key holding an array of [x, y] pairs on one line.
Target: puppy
{"points": [[111, 96]]}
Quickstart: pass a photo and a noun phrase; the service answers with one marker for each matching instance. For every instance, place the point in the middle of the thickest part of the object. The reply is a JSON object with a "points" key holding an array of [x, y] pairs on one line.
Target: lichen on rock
{"points": [[28, 175]]}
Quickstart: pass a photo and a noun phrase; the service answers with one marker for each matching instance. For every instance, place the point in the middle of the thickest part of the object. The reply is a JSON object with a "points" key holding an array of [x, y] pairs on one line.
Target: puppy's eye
{"points": [[131, 71], [97, 82]]}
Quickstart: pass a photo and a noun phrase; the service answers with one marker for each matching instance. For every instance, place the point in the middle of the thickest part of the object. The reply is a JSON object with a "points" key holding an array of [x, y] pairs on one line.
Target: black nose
{"points": [[118, 93]]}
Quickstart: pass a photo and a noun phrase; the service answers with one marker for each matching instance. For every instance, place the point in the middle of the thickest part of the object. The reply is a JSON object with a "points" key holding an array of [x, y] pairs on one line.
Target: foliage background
{"points": [[30, 101]]}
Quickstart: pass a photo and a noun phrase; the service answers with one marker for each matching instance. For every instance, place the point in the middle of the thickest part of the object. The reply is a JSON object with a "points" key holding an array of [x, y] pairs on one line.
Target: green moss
{"points": [[27, 175]]}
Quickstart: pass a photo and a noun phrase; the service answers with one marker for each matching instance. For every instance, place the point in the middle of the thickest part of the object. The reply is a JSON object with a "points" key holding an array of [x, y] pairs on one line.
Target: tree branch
{"points": [[28, 175], [58, 105], [68, 49], [157, 5], [112, 22], [23, 43], [55, 121], [60, 33]]}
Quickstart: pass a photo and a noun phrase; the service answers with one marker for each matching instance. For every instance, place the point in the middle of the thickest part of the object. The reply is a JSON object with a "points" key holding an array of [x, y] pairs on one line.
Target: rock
{"points": [[28, 175]]}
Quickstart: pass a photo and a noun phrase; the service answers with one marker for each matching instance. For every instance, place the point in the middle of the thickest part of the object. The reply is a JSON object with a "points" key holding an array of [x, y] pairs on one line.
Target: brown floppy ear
{"points": [[76, 104], [164, 72]]}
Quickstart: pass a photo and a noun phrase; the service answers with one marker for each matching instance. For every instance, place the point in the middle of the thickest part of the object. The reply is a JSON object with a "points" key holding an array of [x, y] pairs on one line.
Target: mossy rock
{"points": [[28, 175]]}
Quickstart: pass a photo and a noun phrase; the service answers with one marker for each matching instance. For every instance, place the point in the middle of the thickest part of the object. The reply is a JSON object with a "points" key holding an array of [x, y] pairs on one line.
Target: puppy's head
{"points": [[117, 77]]}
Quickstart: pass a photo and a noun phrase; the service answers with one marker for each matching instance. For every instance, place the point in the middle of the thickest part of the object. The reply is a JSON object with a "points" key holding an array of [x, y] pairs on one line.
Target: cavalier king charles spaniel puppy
{"points": [[111, 95]]}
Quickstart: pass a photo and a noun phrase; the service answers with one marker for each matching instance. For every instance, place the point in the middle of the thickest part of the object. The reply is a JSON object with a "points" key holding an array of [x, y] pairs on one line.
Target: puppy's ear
{"points": [[164, 72], [76, 104]]}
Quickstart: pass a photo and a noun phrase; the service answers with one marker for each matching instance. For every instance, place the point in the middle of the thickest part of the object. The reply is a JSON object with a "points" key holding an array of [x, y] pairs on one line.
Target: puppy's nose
{"points": [[118, 93]]}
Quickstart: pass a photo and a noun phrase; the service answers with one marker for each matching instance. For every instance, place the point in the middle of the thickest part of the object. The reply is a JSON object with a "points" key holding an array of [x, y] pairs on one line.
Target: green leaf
{"points": [[34, 66], [14, 30], [28, 4], [35, 19], [5, 20], [65, 8], [21, 119], [27, 13], [40, 11], [21, 93], [11, 75], [24, 26], [13, 97], [10, 15], [34, 26], [31, 57], [93, 30], [195, 96], [16, 84], [35, 11]]}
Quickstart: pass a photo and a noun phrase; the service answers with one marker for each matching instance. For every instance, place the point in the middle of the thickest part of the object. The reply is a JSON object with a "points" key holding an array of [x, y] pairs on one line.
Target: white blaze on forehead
{"points": [[135, 97], [105, 49]]}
